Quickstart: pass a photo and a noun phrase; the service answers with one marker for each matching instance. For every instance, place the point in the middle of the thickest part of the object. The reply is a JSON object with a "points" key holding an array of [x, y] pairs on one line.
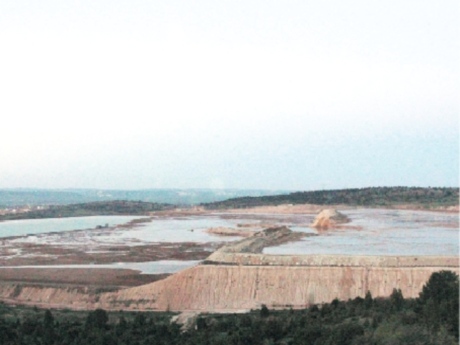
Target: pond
{"points": [[39, 226], [382, 232]]}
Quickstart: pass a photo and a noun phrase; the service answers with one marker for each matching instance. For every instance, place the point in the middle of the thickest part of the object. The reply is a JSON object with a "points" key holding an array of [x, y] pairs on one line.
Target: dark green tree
{"points": [[121, 327], [264, 312], [48, 328], [438, 302], [368, 300], [397, 300], [344, 333], [97, 319]]}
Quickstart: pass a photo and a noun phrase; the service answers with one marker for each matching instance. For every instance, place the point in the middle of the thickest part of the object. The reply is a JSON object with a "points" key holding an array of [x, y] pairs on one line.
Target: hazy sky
{"points": [[294, 95]]}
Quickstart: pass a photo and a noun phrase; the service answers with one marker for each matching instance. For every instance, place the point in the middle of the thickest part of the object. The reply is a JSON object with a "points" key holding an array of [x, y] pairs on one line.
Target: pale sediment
{"points": [[329, 218]]}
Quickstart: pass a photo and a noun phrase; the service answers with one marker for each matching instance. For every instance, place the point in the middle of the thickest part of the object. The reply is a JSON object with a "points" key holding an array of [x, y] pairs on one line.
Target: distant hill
{"points": [[100, 208], [376, 196], [35, 197]]}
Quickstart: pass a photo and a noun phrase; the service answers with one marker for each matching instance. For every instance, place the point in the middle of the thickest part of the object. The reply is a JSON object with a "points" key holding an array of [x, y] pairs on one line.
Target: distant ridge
{"points": [[98, 208], [34, 197], [374, 196]]}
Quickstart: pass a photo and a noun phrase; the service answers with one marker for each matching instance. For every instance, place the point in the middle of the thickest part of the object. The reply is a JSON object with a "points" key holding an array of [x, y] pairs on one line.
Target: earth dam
{"points": [[296, 282]]}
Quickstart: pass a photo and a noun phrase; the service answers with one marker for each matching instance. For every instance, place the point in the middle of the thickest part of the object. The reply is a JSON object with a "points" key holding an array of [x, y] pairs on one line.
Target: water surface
{"points": [[39, 226], [382, 232]]}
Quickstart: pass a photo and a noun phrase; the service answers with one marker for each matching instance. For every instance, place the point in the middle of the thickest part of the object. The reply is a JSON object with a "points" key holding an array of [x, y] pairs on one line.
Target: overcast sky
{"points": [[295, 95]]}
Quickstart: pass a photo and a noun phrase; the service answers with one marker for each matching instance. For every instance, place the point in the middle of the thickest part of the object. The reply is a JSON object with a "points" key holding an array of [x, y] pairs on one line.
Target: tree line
{"points": [[375, 196]]}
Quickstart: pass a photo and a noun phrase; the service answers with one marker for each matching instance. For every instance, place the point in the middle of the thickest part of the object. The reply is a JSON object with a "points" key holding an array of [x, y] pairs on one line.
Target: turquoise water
{"points": [[40, 226]]}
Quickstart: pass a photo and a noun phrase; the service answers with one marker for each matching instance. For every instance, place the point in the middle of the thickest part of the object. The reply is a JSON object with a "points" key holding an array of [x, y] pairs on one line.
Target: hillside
{"points": [[375, 196], [102, 208], [34, 197]]}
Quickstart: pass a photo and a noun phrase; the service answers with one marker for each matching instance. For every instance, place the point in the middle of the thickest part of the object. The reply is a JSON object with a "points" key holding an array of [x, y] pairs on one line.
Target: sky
{"points": [[282, 95]]}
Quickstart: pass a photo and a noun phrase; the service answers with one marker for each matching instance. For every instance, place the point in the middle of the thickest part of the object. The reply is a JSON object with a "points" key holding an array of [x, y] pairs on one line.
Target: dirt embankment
{"points": [[232, 288], [259, 240], [236, 287], [77, 277], [318, 260], [222, 231], [48, 296]]}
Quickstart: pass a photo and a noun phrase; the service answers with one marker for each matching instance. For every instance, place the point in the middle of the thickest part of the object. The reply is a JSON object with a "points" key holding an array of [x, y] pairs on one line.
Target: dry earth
{"points": [[95, 277]]}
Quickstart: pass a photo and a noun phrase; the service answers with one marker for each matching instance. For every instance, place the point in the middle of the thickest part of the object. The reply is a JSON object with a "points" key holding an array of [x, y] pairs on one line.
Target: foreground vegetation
{"points": [[101, 208], [431, 319], [376, 196]]}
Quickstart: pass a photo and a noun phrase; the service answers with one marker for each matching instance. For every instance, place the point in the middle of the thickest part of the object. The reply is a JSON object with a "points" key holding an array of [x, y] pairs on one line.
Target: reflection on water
{"points": [[384, 232]]}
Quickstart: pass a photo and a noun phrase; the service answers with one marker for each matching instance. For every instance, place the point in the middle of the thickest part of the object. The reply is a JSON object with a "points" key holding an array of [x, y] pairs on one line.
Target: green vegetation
{"points": [[431, 319], [378, 196], [102, 208]]}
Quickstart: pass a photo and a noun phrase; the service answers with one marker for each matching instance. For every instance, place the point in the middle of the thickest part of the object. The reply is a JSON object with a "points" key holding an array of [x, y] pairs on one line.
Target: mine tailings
{"points": [[292, 282]]}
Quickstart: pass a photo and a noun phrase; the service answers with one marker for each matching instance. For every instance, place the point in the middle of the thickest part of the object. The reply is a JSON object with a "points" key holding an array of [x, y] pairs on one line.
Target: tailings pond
{"points": [[370, 232]]}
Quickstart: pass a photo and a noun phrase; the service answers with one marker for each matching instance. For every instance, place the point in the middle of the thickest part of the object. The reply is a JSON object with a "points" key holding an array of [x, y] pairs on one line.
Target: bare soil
{"points": [[93, 277]]}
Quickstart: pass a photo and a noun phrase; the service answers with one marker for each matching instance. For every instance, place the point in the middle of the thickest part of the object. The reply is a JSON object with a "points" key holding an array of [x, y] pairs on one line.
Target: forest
{"points": [[375, 196], [430, 319]]}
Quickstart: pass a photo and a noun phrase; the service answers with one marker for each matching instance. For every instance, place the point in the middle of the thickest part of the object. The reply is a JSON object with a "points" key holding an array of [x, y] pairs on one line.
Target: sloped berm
{"points": [[238, 288]]}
